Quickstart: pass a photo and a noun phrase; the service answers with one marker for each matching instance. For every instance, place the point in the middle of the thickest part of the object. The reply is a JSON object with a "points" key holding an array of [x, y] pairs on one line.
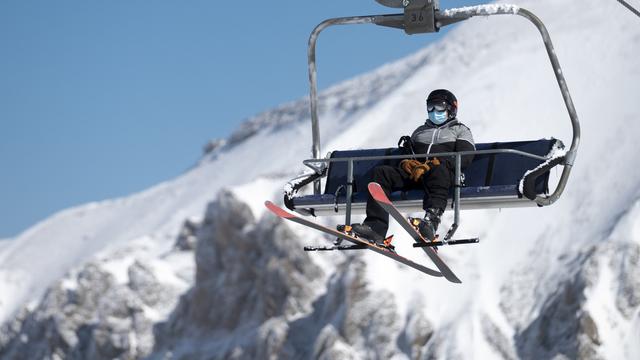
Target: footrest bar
{"points": [[450, 242], [337, 247]]}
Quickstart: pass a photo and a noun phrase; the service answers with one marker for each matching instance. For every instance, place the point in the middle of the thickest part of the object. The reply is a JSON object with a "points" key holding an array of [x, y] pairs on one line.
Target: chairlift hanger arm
{"points": [[311, 53], [443, 18]]}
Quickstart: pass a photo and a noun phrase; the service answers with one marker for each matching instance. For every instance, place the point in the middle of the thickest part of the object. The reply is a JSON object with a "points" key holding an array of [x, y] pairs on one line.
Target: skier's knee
{"points": [[379, 173]]}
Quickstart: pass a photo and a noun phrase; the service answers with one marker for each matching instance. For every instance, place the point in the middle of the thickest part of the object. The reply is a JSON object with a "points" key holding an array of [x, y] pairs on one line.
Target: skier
{"points": [[442, 132]]}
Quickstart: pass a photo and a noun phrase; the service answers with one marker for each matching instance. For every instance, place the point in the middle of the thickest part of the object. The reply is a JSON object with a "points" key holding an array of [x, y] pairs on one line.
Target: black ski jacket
{"points": [[451, 136]]}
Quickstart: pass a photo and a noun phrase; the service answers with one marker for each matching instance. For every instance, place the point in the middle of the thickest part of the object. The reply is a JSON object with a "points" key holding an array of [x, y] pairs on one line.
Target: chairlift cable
{"points": [[631, 8]]}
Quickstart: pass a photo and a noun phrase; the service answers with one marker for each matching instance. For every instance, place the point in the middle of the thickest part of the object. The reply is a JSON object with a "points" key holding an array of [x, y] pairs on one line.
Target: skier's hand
{"points": [[419, 171], [409, 164], [416, 169]]}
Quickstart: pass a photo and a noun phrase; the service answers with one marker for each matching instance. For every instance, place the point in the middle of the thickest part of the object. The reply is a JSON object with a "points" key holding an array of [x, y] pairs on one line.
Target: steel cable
{"points": [[631, 8]]}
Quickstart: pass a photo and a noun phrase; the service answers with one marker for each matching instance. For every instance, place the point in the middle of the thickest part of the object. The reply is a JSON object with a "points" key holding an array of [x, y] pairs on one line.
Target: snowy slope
{"points": [[498, 69]]}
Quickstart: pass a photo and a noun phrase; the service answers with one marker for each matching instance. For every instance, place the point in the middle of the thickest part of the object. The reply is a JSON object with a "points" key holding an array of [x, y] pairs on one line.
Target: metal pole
{"points": [[456, 191], [347, 220], [462, 13], [311, 162], [456, 200], [313, 82], [575, 141]]}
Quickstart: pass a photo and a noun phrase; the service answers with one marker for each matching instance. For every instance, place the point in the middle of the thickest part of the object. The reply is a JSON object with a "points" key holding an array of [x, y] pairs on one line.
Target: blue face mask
{"points": [[438, 117]]}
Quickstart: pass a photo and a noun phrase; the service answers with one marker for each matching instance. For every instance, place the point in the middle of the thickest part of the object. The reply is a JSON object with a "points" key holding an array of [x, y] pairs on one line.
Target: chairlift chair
{"points": [[503, 174]]}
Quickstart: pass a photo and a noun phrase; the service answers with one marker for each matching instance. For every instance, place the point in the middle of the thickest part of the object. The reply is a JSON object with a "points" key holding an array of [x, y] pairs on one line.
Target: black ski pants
{"points": [[435, 182]]}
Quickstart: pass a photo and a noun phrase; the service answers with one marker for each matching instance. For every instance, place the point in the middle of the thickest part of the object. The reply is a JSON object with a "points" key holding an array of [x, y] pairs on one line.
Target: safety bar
{"points": [[443, 18], [310, 162]]}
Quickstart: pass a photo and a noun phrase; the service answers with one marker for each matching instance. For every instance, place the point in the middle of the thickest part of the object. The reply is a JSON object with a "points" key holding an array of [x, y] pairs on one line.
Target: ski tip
{"points": [[277, 210], [377, 192]]}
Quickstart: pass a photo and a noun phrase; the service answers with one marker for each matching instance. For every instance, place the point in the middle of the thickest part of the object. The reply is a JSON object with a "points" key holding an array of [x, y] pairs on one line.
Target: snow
{"points": [[12, 291], [290, 187], [628, 228], [176, 269], [499, 70], [601, 306], [489, 9], [249, 192], [118, 268], [557, 151], [69, 283]]}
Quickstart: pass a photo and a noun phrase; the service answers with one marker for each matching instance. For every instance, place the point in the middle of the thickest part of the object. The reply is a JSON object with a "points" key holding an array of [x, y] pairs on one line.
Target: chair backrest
{"points": [[486, 169]]}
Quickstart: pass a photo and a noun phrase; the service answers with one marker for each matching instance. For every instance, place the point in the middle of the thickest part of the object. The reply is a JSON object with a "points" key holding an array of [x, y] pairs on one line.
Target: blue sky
{"points": [[100, 99]]}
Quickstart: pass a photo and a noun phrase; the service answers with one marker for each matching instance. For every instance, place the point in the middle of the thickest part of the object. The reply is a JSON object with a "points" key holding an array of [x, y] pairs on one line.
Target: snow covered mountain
{"points": [[118, 278]]}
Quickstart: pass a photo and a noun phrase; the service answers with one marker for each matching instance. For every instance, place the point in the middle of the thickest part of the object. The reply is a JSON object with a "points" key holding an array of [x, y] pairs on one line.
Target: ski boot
{"points": [[428, 226], [367, 233]]}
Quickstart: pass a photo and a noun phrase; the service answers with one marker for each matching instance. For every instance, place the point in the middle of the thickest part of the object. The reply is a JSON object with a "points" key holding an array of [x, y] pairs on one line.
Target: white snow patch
{"points": [[600, 304], [176, 270], [618, 334], [556, 152], [12, 290], [489, 9], [256, 192], [290, 187], [118, 267], [69, 283], [628, 228], [154, 314]]}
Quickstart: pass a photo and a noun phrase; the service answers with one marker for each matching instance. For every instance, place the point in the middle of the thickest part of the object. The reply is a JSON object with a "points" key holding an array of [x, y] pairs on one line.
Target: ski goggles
{"points": [[437, 106]]}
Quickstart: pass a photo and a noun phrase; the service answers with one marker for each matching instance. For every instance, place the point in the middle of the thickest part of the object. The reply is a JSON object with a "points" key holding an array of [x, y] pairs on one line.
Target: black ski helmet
{"points": [[446, 96]]}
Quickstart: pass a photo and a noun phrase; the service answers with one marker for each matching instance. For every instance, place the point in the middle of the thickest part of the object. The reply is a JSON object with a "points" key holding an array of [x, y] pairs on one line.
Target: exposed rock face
{"points": [[627, 260], [247, 274], [90, 316], [416, 335], [187, 237], [500, 343], [213, 145], [257, 296], [349, 321], [250, 277], [565, 327], [254, 298], [246, 271]]}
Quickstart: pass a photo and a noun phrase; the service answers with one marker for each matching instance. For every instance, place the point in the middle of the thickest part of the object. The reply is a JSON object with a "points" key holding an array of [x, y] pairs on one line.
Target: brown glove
{"points": [[409, 164], [419, 171], [416, 169]]}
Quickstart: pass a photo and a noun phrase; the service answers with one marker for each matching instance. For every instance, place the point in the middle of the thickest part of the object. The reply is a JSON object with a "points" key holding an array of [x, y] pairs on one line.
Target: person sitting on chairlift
{"points": [[442, 132]]}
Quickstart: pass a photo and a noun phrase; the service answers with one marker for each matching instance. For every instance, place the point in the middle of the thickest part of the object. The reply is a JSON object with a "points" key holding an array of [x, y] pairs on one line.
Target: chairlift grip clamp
{"points": [[570, 157]]}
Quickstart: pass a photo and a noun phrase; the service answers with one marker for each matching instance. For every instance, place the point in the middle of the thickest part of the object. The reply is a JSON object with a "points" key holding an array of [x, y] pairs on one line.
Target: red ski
{"points": [[378, 249], [378, 195]]}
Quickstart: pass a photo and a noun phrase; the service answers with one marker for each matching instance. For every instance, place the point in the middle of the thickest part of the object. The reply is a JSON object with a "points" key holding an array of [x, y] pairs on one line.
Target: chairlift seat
{"points": [[490, 181]]}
